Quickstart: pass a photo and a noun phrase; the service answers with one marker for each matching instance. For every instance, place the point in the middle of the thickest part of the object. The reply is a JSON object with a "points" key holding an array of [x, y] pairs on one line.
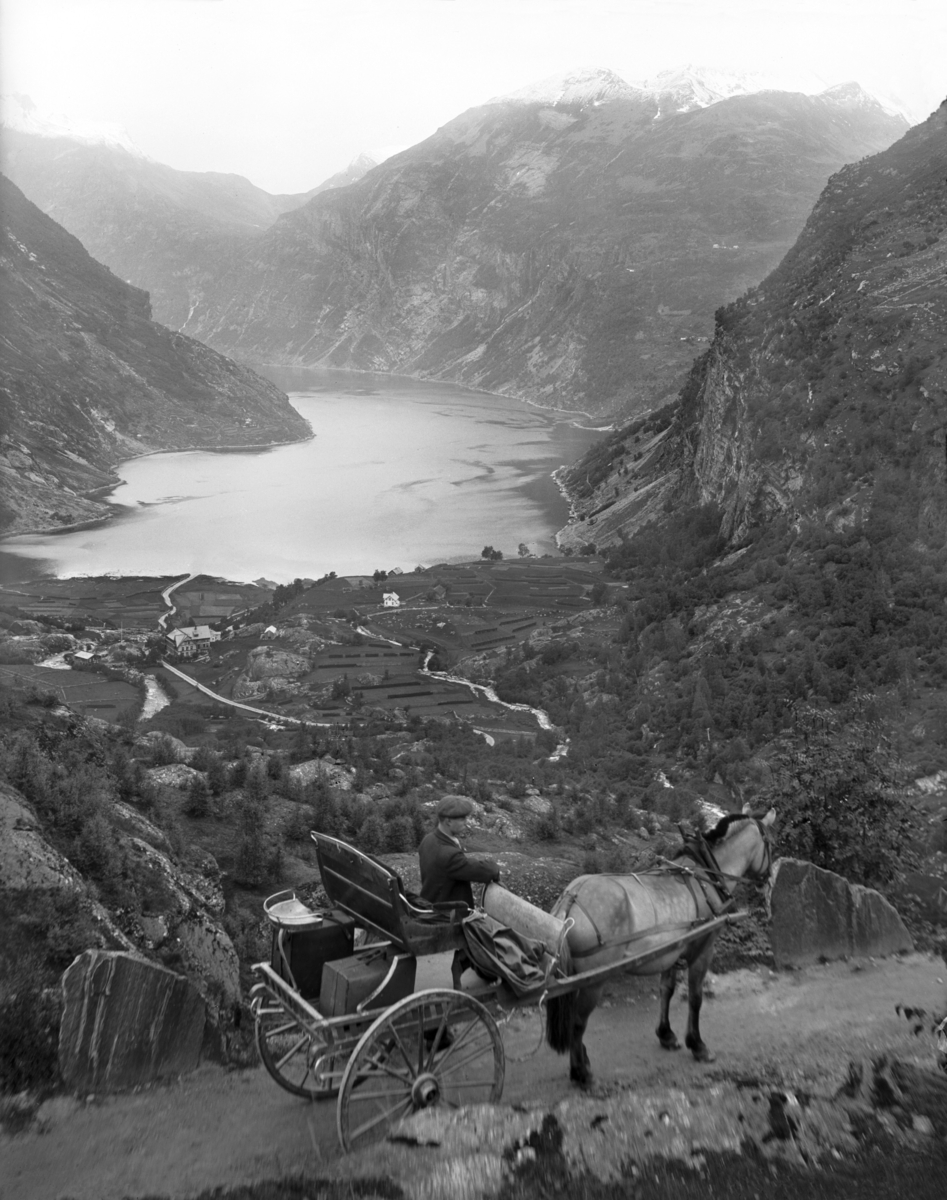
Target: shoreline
{"points": [[42, 561], [107, 489], [452, 382]]}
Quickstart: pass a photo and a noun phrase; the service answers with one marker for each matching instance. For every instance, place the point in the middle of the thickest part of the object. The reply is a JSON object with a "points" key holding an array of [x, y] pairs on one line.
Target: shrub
{"points": [[29, 1029]]}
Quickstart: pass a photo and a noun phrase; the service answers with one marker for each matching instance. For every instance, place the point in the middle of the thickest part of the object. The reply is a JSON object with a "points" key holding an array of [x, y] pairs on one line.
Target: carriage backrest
{"points": [[363, 887]]}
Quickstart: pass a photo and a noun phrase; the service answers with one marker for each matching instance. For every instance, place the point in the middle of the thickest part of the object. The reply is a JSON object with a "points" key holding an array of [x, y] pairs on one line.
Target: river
{"points": [[400, 472]]}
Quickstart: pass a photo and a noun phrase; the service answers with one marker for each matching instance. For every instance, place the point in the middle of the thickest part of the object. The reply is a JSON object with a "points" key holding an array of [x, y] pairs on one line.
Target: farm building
{"points": [[191, 640]]}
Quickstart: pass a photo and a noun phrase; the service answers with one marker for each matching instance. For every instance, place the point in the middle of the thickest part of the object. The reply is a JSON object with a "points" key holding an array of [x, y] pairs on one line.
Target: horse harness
{"points": [[705, 876]]}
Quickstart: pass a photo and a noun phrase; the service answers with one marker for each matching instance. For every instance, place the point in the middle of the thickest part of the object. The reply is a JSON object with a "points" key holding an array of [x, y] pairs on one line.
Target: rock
{"points": [[131, 821], [537, 804], [266, 662], [24, 626], [208, 953], [320, 768], [817, 914], [26, 858], [155, 930], [186, 891], [176, 775], [126, 1022], [171, 747]]}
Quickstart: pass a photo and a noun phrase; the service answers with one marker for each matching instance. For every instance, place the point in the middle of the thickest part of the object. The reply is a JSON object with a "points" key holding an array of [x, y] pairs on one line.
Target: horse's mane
{"points": [[720, 830]]}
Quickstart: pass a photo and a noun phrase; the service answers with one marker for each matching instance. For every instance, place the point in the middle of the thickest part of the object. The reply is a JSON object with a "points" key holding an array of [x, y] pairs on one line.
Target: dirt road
{"points": [[219, 1128]]}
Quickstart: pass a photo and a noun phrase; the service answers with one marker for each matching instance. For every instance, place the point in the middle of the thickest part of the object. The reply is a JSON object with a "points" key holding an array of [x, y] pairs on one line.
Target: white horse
{"points": [[615, 914]]}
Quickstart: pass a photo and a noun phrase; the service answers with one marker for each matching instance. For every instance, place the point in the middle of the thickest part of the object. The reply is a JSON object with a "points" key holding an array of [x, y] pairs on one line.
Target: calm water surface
{"points": [[399, 473]]}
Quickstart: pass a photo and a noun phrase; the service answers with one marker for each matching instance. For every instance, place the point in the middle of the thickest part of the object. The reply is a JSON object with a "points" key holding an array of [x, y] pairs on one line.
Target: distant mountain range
{"points": [[161, 229], [568, 243], [823, 397], [87, 378]]}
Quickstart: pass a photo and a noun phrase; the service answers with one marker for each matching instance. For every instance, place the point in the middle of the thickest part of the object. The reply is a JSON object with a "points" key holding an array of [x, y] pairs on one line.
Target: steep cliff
{"points": [[87, 378], [824, 393], [568, 248]]}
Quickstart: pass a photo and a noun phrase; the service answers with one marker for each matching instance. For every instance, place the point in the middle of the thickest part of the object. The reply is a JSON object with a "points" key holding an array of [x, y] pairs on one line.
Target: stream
{"points": [[542, 717]]}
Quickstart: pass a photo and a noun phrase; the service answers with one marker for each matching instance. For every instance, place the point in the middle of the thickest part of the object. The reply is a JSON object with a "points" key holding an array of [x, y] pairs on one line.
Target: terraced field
{"points": [[86, 692]]}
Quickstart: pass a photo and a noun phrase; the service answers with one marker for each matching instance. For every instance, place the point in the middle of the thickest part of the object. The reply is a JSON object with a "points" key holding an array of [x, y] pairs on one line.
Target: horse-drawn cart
{"points": [[333, 1018]]}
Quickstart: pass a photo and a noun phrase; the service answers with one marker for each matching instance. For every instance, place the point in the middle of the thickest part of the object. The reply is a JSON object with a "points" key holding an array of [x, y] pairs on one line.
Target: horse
{"points": [[616, 914]]}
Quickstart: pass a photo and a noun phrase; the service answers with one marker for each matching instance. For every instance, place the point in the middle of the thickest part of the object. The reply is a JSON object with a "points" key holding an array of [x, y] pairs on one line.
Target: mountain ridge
{"points": [[824, 388], [485, 256], [88, 379]]}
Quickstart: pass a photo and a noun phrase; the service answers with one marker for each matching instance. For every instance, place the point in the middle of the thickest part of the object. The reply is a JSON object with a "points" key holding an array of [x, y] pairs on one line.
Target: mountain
{"points": [[88, 379], [159, 228], [359, 166], [568, 243], [823, 397]]}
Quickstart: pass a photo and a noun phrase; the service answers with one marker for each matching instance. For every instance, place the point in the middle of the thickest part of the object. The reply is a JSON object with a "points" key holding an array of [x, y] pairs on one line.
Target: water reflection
{"points": [[399, 473]]}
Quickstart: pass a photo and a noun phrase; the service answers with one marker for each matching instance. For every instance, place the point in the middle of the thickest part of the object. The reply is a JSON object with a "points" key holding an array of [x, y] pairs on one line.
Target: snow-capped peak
{"points": [[680, 89], [587, 86], [19, 112], [853, 95]]}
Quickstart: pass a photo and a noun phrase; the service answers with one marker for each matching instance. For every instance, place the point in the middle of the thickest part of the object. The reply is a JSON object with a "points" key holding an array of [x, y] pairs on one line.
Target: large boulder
{"points": [[172, 749], [266, 662], [176, 775], [335, 776], [817, 914], [126, 1022]]}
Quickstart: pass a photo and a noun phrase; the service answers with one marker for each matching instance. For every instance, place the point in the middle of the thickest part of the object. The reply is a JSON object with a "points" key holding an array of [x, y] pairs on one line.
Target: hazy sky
{"points": [[287, 92]]}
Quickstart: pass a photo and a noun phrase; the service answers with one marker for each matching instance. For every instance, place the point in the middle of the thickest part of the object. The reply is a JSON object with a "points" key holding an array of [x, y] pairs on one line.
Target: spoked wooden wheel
{"points": [[435, 1047], [305, 1062]]}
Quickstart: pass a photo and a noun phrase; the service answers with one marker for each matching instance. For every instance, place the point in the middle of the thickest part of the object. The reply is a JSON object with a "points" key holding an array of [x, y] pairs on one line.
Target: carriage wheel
{"points": [[304, 1062], [435, 1047]]}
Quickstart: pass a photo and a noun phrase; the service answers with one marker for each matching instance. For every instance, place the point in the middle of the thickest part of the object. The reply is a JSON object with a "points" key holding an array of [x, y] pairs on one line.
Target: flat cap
{"points": [[455, 806]]}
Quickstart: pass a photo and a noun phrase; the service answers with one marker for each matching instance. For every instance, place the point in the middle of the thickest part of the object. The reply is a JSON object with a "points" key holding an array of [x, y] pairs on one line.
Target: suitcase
{"points": [[300, 952], [373, 978]]}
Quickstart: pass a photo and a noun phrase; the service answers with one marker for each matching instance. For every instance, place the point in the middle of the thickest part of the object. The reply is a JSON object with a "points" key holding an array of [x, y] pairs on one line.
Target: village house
{"points": [[191, 640], [391, 599]]}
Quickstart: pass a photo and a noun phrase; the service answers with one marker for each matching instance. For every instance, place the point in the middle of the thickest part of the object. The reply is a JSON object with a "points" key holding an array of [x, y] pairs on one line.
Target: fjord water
{"points": [[399, 473]]}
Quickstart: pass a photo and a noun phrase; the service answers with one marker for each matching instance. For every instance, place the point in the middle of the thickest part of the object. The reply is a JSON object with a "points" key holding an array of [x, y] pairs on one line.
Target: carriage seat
{"points": [[375, 895]]}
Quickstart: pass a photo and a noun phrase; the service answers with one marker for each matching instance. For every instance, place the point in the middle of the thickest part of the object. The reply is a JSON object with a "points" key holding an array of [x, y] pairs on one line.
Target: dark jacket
{"points": [[447, 872]]}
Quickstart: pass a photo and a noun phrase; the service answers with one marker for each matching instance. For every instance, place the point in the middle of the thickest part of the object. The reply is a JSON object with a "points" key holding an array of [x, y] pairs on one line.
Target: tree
{"points": [[838, 792], [490, 554], [522, 550], [198, 798], [379, 576]]}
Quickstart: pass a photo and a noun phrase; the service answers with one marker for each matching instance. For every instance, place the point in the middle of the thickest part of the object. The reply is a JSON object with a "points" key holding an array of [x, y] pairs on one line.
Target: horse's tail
{"points": [[560, 1010], [560, 1022]]}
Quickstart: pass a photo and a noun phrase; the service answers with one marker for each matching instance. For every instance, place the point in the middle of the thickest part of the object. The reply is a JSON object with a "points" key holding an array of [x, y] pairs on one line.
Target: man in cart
{"points": [[447, 872]]}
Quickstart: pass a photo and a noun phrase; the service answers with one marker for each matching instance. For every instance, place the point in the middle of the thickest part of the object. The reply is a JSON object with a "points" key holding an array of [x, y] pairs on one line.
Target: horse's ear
{"points": [[769, 818], [747, 809]]}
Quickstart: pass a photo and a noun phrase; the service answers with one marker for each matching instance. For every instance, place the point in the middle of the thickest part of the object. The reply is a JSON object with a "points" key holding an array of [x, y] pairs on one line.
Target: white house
{"points": [[391, 599], [191, 640]]}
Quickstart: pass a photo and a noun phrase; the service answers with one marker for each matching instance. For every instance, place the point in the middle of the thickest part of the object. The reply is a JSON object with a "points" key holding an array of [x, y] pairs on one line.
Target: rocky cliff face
{"points": [[87, 378], [570, 249], [824, 393]]}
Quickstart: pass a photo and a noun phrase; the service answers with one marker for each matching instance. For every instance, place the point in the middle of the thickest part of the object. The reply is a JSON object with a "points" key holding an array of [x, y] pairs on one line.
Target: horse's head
{"points": [[762, 868], [744, 842]]}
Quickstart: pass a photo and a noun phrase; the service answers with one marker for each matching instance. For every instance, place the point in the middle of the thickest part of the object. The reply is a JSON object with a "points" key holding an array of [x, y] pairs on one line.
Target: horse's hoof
{"points": [[581, 1081], [703, 1055], [670, 1043]]}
